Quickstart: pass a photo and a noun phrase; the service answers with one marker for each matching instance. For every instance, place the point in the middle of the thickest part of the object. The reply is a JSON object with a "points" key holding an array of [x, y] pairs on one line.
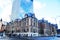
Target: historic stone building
{"points": [[26, 26], [53, 27], [31, 26], [43, 27], [46, 28]]}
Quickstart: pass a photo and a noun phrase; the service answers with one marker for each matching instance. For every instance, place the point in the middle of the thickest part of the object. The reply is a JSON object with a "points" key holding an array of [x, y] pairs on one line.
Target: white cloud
{"points": [[37, 6], [6, 9], [50, 19]]}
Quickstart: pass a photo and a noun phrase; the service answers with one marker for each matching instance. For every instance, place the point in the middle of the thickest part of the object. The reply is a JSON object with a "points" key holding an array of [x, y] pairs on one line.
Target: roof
{"points": [[43, 21], [30, 14]]}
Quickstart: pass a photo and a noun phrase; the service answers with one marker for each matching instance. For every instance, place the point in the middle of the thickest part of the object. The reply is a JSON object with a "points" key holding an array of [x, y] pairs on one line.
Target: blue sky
{"points": [[20, 7], [50, 8], [47, 9]]}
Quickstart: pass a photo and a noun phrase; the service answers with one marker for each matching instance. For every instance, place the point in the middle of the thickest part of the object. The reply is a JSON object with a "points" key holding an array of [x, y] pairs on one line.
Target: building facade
{"points": [[43, 27], [26, 26], [46, 28], [31, 26], [2, 26]]}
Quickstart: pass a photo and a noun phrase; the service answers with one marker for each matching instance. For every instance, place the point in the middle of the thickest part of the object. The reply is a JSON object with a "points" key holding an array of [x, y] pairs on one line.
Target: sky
{"points": [[20, 7], [5, 9], [47, 9]]}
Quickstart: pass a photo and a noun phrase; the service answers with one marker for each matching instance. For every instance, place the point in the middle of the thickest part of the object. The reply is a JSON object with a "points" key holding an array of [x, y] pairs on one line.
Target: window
{"points": [[27, 21]]}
